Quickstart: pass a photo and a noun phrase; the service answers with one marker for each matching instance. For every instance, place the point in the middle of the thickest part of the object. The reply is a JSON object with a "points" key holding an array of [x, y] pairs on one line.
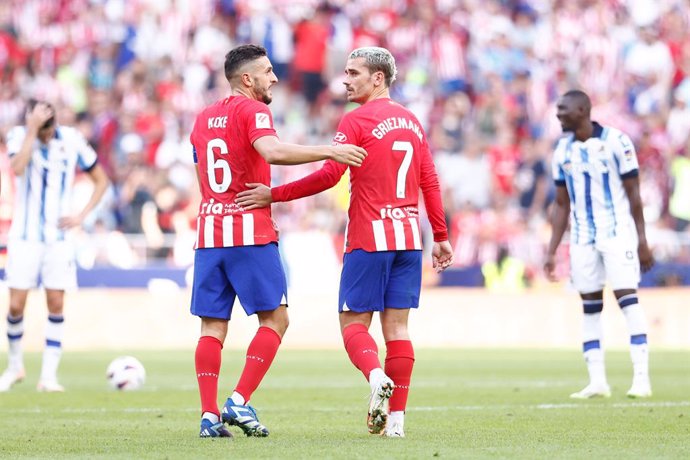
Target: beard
{"points": [[265, 97]]}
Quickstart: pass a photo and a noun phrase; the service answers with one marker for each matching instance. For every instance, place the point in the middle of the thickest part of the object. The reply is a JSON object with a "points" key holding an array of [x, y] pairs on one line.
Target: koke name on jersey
{"points": [[217, 122]]}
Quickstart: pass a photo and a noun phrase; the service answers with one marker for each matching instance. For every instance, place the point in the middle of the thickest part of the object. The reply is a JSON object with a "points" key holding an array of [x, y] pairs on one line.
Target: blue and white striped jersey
{"points": [[43, 191], [593, 172]]}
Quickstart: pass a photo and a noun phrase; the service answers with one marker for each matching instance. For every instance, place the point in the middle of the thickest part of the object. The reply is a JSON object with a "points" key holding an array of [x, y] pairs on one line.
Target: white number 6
{"points": [[213, 165]]}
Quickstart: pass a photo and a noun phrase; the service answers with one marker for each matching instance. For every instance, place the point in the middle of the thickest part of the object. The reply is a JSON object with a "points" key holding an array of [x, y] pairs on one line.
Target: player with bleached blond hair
{"points": [[382, 265]]}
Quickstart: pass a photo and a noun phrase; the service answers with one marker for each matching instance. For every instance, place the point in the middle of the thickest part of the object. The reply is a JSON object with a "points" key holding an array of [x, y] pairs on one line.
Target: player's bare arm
{"points": [[100, 185], [632, 190], [35, 119], [560, 212], [281, 153]]}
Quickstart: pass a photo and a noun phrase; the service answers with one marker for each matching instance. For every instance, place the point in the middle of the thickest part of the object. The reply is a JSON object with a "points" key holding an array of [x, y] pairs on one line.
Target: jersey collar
{"points": [[597, 129]]}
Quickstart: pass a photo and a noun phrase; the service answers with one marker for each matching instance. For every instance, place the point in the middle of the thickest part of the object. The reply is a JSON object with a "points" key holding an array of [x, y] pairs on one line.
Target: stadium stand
{"points": [[482, 76]]}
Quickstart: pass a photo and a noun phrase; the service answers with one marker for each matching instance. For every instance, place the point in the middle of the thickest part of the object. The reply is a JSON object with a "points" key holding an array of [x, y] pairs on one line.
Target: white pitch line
{"points": [[554, 406], [619, 405], [148, 410]]}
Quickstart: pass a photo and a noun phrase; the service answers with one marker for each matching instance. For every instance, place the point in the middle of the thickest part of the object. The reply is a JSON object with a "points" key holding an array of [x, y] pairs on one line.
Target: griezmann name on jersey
{"points": [[222, 137], [384, 191]]}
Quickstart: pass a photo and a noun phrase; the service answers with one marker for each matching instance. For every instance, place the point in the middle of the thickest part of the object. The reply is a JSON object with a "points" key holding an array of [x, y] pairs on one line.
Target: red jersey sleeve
{"points": [[348, 131], [316, 182], [259, 121], [431, 190]]}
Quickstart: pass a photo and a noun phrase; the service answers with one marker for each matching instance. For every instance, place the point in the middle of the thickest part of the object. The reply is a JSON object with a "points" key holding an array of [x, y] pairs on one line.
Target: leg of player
{"points": [[207, 361], [260, 354], [593, 304], [639, 350], [52, 352], [364, 354], [399, 364], [15, 331], [262, 290]]}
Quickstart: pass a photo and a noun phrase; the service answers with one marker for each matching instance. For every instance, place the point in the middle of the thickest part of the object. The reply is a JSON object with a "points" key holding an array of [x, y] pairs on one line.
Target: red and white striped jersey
{"points": [[448, 54], [384, 191], [223, 138]]}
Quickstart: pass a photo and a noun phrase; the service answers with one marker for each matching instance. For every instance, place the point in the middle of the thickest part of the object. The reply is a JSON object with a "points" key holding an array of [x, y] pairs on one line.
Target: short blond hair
{"points": [[377, 59]]}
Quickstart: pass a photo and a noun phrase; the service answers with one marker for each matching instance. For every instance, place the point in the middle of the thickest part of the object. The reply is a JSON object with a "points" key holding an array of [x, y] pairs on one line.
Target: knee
{"points": [[395, 331], [55, 306], [55, 300], [16, 307], [282, 325], [15, 310], [278, 320], [214, 327]]}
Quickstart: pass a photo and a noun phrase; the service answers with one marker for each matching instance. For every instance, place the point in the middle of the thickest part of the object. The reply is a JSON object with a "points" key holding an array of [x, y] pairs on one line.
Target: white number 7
{"points": [[403, 146]]}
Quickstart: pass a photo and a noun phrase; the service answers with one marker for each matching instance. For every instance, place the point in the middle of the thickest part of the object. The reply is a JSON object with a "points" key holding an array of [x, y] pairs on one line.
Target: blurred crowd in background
{"points": [[482, 76]]}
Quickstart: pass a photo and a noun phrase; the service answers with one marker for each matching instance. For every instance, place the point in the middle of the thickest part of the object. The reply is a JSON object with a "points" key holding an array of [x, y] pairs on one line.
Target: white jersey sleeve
{"points": [[86, 155], [15, 138], [623, 153], [557, 172]]}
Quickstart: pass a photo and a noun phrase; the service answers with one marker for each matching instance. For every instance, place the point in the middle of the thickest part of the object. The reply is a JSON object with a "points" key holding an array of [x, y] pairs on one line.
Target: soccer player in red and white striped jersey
{"points": [[236, 251], [382, 262]]}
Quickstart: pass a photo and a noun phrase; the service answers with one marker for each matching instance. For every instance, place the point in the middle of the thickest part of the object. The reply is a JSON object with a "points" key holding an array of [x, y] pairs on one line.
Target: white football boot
{"points": [[10, 377], [599, 390], [394, 428], [641, 388], [378, 405], [49, 386]]}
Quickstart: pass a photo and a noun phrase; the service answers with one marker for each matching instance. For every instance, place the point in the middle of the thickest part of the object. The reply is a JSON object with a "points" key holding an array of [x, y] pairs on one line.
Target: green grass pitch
{"points": [[463, 404]]}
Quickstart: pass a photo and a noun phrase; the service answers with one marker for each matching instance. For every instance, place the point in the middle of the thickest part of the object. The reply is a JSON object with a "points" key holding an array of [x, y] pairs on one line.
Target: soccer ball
{"points": [[126, 373]]}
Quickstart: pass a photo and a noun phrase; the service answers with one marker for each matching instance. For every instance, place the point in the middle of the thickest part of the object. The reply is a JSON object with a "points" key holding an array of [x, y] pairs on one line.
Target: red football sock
{"points": [[260, 354], [399, 363], [361, 348], [207, 362]]}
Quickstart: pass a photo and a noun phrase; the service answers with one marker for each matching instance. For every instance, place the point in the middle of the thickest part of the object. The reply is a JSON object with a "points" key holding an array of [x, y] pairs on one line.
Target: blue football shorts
{"points": [[372, 281], [254, 274]]}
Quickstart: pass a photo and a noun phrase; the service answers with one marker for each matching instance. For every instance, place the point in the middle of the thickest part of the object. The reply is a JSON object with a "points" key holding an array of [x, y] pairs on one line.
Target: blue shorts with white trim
{"points": [[254, 274], [372, 281]]}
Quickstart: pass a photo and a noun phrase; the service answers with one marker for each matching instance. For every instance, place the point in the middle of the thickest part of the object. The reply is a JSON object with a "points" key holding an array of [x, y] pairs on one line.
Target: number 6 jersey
{"points": [[223, 138], [384, 191]]}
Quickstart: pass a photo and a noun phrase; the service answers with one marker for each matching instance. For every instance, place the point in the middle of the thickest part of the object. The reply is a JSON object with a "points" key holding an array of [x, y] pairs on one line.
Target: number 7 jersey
{"points": [[384, 191], [223, 138]]}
